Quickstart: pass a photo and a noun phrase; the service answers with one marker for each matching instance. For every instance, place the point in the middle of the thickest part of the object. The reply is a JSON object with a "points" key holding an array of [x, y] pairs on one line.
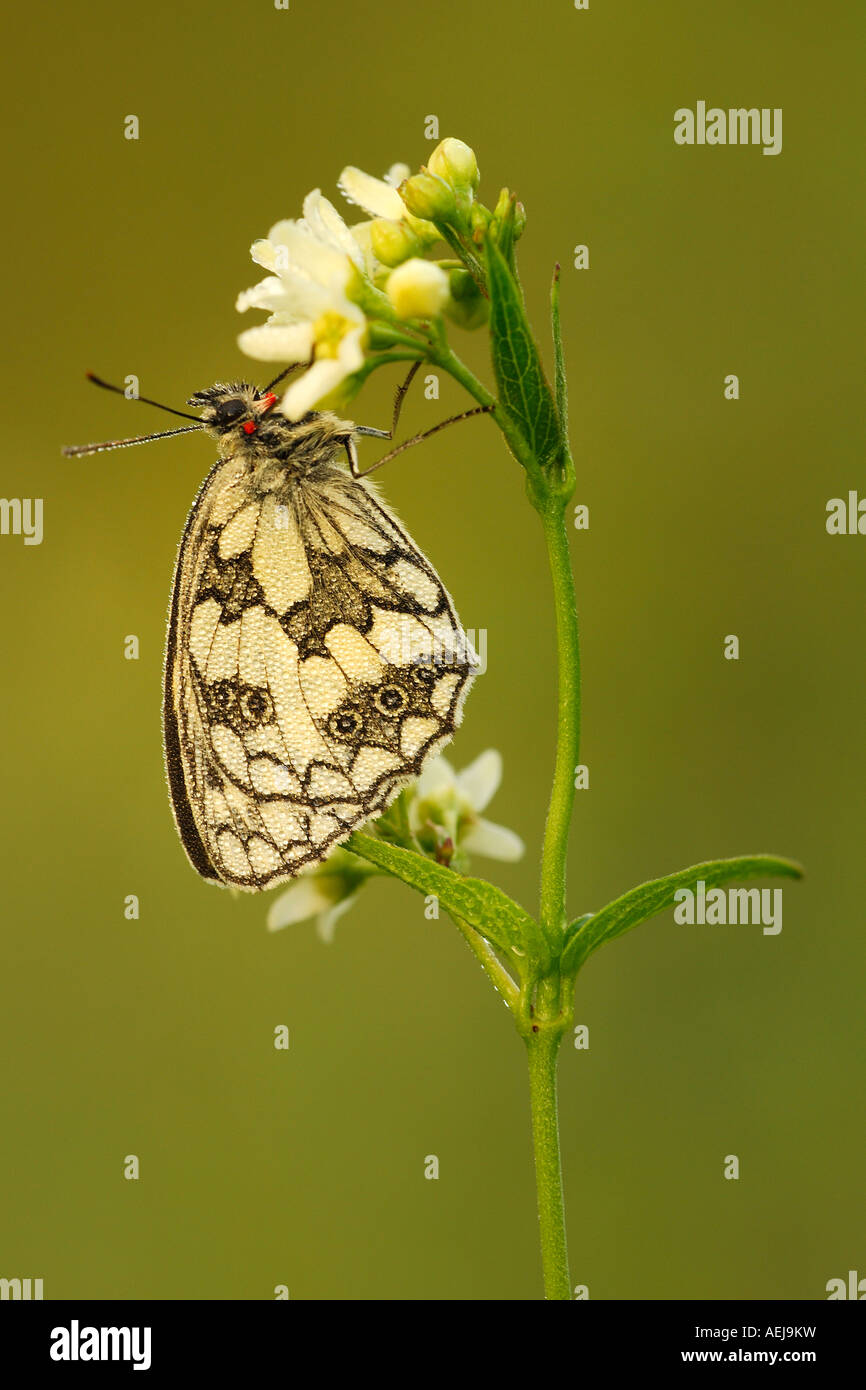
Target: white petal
{"points": [[268, 294], [326, 923], [308, 390], [437, 775], [278, 343], [478, 782], [304, 899], [373, 195], [327, 225], [361, 232], [304, 298], [396, 174], [263, 253], [297, 248], [494, 841]]}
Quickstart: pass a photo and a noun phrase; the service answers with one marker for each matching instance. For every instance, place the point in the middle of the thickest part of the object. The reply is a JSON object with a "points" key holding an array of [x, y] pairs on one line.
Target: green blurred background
{"points": [[706, 518]]}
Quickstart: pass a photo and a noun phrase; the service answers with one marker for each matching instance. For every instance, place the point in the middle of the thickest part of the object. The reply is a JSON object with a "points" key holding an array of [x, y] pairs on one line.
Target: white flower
{"points": [[418, 289], [312, 319], [443, 808], [318, 267], [321, 894], [451, 802]]}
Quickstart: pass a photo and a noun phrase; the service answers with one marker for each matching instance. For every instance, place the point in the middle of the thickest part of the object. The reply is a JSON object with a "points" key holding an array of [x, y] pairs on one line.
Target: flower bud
{"points": [[418, 289], [479, 221], [508, 213], [500, 212], [429, 197], [426, 232], [455, 163], [393, 242], [467, 306]]}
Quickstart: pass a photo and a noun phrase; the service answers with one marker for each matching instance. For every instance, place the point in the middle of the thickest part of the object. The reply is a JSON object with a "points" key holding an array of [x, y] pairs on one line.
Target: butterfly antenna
{"points": [[145, 400], [79, 450], [287, 371]]}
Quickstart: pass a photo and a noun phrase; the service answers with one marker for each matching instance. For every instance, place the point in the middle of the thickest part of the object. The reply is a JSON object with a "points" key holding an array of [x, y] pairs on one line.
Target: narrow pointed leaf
{"points": [[499, 919], [520, 379], [658, 895], [559, 355]]}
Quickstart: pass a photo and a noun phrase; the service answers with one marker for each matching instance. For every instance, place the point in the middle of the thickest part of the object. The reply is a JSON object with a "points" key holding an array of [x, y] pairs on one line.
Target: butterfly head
{"points": [[229, 410]]}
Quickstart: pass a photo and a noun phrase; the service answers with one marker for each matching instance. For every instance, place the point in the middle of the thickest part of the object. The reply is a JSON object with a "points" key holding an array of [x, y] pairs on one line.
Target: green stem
{"points": [[554, 856], [543, 1024], [541, 1049], [467, 256], [441, 355]]}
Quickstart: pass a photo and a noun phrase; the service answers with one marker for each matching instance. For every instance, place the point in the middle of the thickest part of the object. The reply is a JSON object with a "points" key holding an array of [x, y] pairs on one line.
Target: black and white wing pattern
{"points": [[314, 662]]}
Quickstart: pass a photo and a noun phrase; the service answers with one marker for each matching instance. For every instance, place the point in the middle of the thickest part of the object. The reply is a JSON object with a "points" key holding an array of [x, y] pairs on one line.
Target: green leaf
{"points": [[522, 385], [586, 935], [559, 355], [499, 919], [572, 930]]}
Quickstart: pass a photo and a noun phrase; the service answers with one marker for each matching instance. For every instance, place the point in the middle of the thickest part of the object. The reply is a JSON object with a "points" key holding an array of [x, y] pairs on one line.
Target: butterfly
{"points": [[314, 659]]}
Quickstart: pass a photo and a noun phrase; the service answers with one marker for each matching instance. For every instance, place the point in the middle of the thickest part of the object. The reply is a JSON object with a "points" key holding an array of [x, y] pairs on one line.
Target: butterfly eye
{"points": [[391, 700], [227, 412]]}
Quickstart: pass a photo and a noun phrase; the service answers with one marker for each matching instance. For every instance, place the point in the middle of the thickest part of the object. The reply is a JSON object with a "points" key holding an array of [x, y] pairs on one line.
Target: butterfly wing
{"points": [[314, 662]]}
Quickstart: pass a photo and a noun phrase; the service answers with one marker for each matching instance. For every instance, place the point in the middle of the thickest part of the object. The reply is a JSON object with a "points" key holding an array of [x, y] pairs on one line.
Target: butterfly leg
{"points": [[398, 406], [351, 449]]}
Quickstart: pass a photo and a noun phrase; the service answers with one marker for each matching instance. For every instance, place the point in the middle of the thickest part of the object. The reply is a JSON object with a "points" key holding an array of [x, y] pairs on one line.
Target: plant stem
{"points": [[541, 1049], [546, 1023], [441, 355], [554, 856]]}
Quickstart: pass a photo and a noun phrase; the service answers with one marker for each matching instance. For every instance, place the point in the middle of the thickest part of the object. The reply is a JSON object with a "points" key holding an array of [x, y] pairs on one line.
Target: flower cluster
{"points": [[340, 298], [441, 816]]}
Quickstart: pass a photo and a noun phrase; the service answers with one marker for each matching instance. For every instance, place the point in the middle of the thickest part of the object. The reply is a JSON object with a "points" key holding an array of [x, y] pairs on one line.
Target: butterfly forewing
{"points": [[314, 662]]}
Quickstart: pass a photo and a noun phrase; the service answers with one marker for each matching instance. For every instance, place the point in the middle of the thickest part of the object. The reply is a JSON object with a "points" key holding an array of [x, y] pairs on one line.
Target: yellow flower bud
{"points": [[418, 289], [428, 197], [393, 242], [479, 221], [455, 163], [426, 232]]}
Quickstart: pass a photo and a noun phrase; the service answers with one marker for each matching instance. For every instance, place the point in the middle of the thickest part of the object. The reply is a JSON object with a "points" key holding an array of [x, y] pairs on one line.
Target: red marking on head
{"points": [[250, 427], [268, 402]]}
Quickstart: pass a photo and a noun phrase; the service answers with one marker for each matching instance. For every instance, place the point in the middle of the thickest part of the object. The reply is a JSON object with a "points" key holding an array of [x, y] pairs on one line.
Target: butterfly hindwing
{"points": [[314, 662]]}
